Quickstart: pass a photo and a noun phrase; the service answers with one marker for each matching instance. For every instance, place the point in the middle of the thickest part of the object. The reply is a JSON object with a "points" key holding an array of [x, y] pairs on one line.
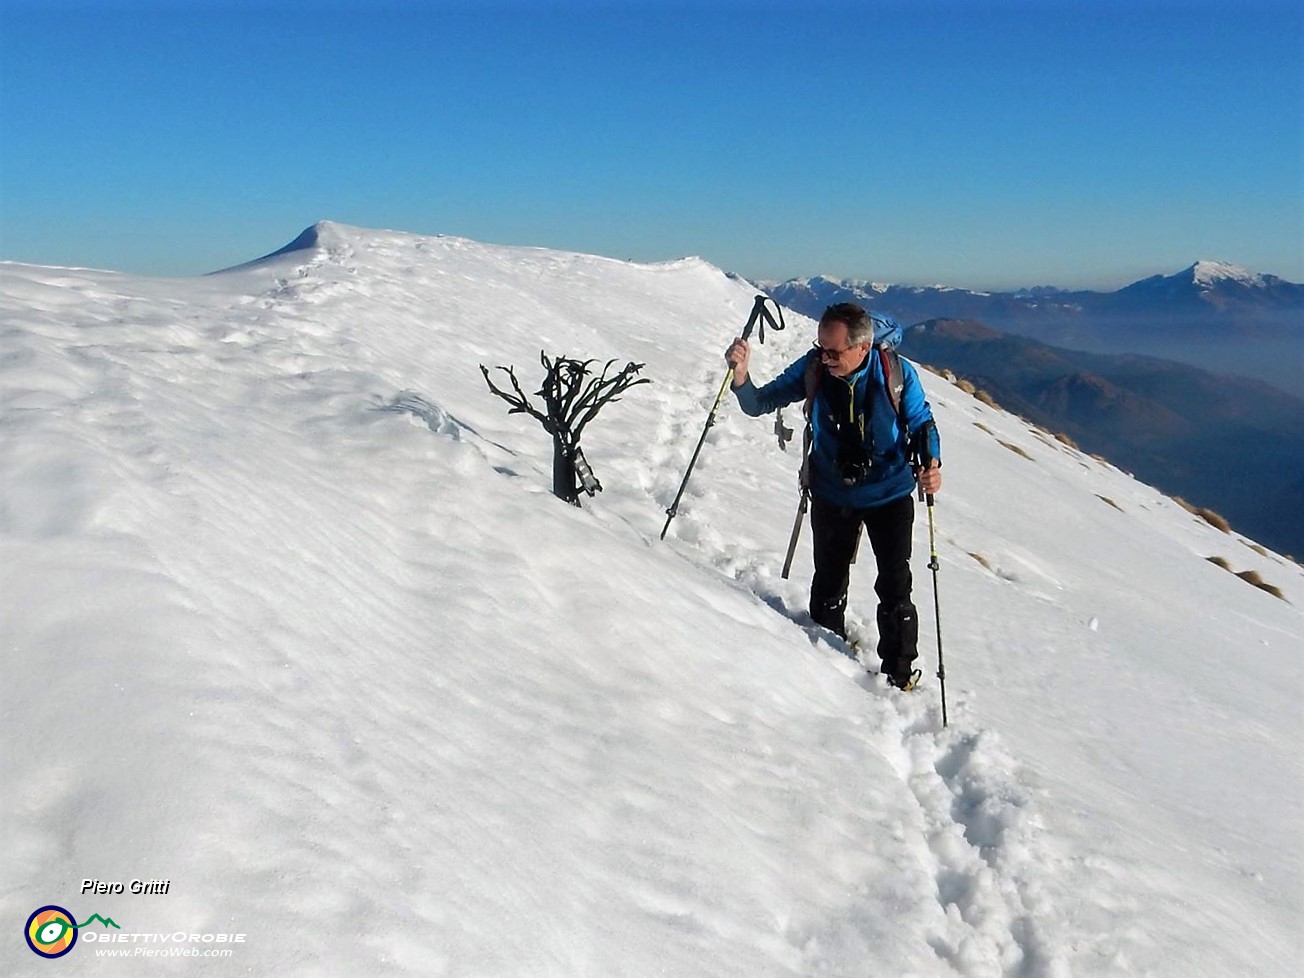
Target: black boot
{"points": [[832, 615], [898, 640]]}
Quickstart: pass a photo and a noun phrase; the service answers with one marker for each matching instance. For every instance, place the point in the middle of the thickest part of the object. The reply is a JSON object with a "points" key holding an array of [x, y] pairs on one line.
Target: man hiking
{"points": [[866, 453]]}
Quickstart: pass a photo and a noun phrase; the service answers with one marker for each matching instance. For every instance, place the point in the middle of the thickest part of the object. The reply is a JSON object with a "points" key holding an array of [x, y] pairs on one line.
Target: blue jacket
{"points": [[858, 406]]}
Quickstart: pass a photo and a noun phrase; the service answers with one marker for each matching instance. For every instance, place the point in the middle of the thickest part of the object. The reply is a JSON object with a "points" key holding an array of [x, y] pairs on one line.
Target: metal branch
{"points": [[519, 401], [610, 390], [573, 384], [591, 390]]}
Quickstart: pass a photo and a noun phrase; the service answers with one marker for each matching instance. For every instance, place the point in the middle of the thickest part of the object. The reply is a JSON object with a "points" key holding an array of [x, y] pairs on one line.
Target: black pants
{"points": [[836, 531]]}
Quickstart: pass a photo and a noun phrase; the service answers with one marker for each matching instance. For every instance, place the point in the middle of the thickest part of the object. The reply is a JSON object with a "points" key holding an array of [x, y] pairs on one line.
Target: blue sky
{"points": [[980, 144]]}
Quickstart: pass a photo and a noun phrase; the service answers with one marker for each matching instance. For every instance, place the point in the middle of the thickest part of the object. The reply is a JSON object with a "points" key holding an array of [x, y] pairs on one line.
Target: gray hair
{"points": [[860, 328]]}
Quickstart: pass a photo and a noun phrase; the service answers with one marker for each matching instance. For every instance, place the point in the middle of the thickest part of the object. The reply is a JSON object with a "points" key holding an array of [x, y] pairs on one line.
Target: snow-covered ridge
{"points": [[1203, 273], [1211, 273], [339, 242], [341, 668]]}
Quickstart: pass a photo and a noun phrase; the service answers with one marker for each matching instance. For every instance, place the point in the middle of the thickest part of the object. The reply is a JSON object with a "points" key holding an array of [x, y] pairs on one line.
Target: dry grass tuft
{"points": [[986, 399], [1110, 501], [965, 386], [1186, 506], [1220, 562], [982, 427], [1252, 577], [981, 559], [1256, 548], [1016, 449], [1064, 439], [1214, 520]]}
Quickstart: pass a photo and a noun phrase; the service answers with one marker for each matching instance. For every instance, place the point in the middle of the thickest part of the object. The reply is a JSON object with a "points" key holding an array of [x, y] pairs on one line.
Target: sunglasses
{"points": [[827, 354]]}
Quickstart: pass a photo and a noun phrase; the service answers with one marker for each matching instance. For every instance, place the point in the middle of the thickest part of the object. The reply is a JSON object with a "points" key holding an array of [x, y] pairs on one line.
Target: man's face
{"points": [[839, 358]]}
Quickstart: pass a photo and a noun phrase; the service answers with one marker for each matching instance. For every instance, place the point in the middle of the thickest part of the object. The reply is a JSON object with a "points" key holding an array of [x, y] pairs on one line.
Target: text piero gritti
{"points": [[138, 887]]}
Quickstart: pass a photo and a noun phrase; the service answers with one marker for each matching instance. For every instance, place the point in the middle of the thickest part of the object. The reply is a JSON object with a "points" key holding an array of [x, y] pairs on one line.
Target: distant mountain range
{"points": [[1234, 445], [1212, 314]]}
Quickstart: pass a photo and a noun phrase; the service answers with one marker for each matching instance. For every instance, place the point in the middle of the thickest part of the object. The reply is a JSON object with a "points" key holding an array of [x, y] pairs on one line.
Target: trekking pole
{"points": [[796, 532], [935, 566], [759, 314]]}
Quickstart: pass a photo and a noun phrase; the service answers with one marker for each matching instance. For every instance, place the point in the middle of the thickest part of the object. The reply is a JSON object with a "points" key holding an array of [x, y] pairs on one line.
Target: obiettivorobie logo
{"points": [[51, 931]]}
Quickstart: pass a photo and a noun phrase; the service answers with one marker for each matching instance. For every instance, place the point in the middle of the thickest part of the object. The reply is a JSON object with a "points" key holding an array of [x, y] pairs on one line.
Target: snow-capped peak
{"points": [[1210, 273]]}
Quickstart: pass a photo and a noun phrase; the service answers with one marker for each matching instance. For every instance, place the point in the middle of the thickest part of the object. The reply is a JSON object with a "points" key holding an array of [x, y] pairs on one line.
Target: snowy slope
{"points": [[290, 619]]}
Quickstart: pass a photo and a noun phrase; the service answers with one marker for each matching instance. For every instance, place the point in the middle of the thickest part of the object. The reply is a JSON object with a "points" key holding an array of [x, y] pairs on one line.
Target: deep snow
{"points": [[289, 618]]}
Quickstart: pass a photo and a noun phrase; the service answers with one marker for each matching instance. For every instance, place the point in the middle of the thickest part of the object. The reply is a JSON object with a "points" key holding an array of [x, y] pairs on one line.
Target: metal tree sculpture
{"points": [[571, 399]]}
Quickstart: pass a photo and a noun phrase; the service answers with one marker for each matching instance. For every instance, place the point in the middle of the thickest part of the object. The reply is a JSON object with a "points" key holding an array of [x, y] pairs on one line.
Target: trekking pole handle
{"points": [[761, 315], [921, 462]]}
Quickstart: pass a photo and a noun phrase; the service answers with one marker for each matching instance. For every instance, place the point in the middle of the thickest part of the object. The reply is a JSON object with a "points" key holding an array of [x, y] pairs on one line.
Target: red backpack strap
{"points": [[894, 381], [814, 373]]}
